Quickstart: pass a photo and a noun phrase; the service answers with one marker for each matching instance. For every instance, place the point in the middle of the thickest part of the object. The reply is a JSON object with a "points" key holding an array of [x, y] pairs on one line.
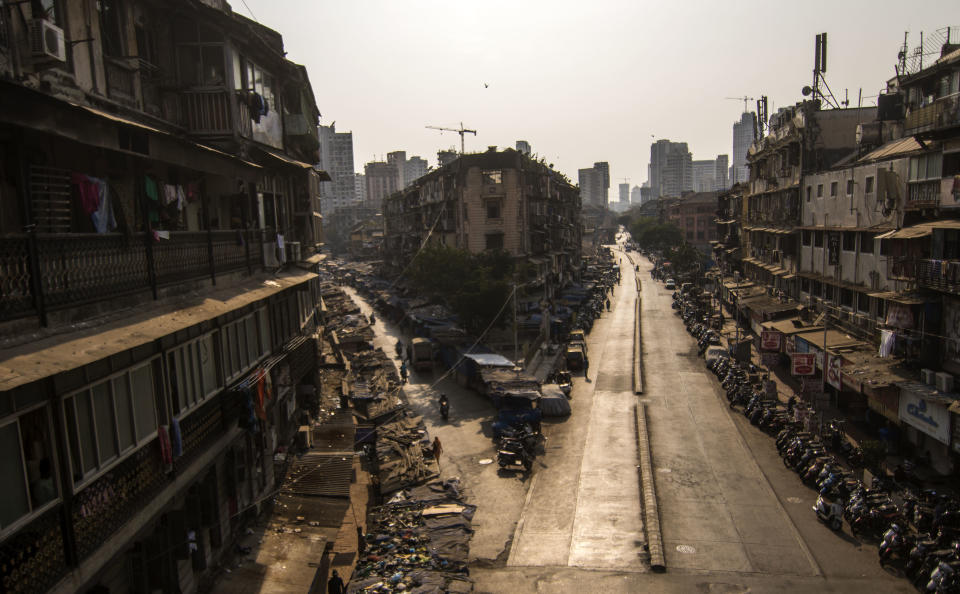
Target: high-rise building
{"points": [[635, 195], [704, 175], [414, 169], [399, 160], [742, 139], [381, 180], [722, 165], [524, 147], [604, 169], [336, 158], [624, 193], [359, 188], [671, 168], [591, 187]]}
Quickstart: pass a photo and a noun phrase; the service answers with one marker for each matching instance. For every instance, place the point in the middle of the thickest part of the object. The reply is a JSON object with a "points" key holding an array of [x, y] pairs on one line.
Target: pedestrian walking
{"points": [[586, 368], [335, 585], [403, 372], [437, 449], [608, 305]]}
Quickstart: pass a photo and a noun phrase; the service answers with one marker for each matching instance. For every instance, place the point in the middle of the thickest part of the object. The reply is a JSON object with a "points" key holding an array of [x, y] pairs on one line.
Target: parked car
{"points": [[670, 284]]}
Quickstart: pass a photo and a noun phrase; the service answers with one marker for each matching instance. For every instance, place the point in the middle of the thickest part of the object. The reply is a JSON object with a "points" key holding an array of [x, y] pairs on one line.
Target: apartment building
{"points": [[155, 163], [496, 200]]}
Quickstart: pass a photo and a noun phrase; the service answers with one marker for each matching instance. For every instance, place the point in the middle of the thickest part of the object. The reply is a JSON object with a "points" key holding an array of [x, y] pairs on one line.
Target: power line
{"points": [[248, 9]]}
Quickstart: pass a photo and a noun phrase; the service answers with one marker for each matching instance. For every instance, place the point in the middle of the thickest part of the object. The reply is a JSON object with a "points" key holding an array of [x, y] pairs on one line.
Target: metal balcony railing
{"points": [[58, 270], [940, 275], [942, 113]]}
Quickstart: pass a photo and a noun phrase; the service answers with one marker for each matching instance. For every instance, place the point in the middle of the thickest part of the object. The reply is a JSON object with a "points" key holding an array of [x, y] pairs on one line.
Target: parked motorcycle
{"points": [[829, 512]]}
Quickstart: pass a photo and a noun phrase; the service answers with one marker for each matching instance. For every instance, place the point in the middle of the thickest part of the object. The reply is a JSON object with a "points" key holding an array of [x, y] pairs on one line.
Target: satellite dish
{"points": [[806, 90]]}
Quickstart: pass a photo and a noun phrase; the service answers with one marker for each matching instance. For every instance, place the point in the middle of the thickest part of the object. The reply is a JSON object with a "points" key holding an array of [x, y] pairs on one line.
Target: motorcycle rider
{"points": [[444, 406]]}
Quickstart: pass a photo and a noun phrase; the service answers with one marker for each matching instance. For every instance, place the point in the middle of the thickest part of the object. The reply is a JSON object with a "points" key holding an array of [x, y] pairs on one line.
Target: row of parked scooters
{"points": [[922, 534], [688, 305]]}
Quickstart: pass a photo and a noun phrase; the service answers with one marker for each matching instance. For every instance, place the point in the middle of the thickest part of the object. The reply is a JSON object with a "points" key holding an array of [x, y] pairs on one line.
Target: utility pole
{"points": [[516, 346], [461, 131]]}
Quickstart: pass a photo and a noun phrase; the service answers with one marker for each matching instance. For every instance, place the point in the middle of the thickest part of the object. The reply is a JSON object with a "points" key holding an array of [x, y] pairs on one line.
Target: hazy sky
{"points": [[581, 81]]}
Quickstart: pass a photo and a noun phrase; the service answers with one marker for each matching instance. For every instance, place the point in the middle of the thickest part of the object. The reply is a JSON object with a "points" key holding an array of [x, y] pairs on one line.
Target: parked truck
{"points": [[421, 354]]}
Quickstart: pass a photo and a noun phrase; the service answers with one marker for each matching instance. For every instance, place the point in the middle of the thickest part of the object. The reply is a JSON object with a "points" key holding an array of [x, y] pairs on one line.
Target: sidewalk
{"points": [[855, 429]]}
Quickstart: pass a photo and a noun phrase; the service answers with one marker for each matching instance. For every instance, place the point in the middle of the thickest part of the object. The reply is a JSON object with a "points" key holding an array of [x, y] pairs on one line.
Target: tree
{"points": [[474, 286]]}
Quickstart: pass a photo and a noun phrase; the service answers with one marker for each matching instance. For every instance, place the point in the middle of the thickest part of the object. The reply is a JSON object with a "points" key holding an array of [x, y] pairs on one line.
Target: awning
{"points": [[128, 122], [730, 222], [835, 338], [324, 176], [787, 327], [767, 305], [920, 230], [928, 392], [904, 298]]}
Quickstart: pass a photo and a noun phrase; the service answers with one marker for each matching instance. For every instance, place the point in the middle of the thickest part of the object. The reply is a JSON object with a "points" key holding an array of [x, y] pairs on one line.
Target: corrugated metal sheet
{"points": [[901, 146], [317, 474]]}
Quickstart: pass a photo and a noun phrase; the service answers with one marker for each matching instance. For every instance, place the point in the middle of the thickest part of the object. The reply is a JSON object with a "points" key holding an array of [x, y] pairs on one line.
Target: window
{"points": [[846, 298], [849, 240], [849, 187], [804, 285], [27, 466], [46, 9], [819, 190], [884, 247], [494, 241], [805, 237], [699, 234], [199, 54], [833, 189], [193, 373], [818, 239], [926, 167], [868, 185], [689, 235], [493, 209], [492, 177], [109, 419], [243, 344], [866, 243], [809, 191], [863, 303], [111, 27]]}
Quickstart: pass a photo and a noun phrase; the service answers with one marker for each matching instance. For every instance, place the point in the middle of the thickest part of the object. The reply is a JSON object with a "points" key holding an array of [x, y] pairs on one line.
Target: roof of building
{"points": [[49, 356], [894, 148]]}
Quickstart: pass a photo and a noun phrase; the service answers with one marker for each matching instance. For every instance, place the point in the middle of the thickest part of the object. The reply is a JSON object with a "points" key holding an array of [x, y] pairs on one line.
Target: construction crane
{"points": [[461, 131], [745, 99]]}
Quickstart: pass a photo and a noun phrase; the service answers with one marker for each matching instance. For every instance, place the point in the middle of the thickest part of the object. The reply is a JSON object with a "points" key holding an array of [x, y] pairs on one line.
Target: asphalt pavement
{"points": [[583, 507]]}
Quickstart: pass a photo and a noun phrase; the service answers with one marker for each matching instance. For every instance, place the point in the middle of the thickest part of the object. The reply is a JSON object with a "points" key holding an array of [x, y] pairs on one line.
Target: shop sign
{"points": [[770, 340], [802, 364], [834, 365], [929, 417], [770, 359]]}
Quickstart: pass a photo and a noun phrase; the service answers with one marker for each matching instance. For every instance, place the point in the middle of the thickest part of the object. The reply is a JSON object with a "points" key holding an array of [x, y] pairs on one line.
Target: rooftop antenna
{"points": [[461, 131], [819, 67]]}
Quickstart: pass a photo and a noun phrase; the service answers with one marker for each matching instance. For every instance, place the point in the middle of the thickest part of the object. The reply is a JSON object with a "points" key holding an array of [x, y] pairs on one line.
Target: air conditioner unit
{"points": [[944, 382], [46, 42], [928, 376]]}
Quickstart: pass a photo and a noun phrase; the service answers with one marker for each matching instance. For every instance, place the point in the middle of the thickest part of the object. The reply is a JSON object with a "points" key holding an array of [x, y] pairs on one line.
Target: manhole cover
{"points": [[486, 461], [794, 500], [686, 549], [664, 470]]}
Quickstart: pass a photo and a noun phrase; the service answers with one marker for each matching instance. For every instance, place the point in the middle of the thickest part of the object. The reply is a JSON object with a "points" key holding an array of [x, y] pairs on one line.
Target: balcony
{"points": [[902, 268], [921, 195], [939, 275], [209, 113], [78, 269], [121, 79], [942, 113]]}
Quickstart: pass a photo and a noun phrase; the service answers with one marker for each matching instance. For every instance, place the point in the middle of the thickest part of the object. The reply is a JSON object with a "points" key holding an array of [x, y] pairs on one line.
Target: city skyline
{"points": [[433, 71]]}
